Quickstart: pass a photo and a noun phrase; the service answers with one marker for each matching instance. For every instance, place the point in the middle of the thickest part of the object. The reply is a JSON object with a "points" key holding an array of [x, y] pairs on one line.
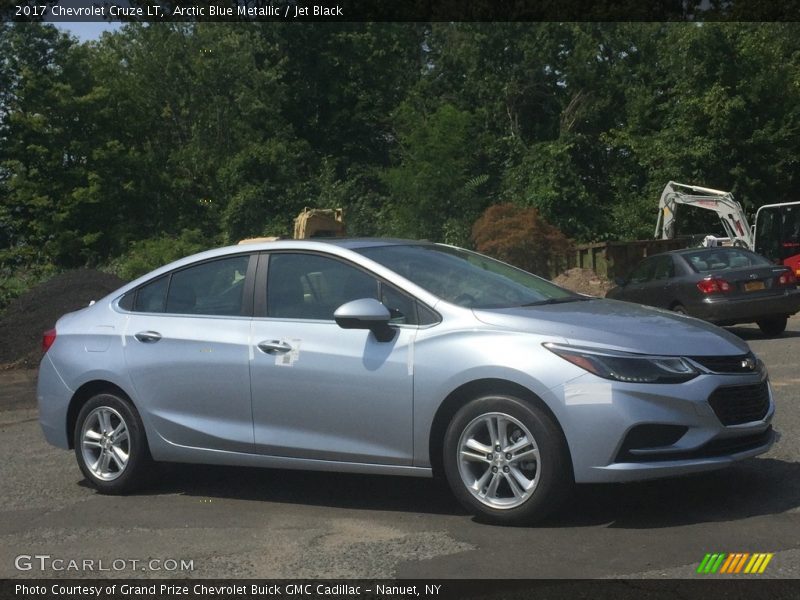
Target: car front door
{"points": [[320, 391], [187, 348], [635, 286]]}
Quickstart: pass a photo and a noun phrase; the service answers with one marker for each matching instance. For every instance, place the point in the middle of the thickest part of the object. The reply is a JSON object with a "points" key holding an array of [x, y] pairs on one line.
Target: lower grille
{"points": [[648, 436], [723, 447], [738, 404]]}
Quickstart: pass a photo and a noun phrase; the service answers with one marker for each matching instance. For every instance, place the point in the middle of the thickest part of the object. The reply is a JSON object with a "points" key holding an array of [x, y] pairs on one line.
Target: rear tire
{"points": [[111, 445], [680, 309], [773, 326], [506, 460]]}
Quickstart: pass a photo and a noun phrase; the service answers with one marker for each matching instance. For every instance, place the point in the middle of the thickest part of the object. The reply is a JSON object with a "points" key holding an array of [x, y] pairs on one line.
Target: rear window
{"points": [[209, 288], [721, 259]]}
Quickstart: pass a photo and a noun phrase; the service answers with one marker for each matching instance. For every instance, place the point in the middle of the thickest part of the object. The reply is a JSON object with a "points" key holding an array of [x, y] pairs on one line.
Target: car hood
{"points": [[620, 326]]}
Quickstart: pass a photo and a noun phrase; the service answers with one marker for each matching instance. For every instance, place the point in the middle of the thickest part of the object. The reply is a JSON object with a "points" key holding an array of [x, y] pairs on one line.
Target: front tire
{"points": [[505, 460], [680, 309], [773, 326], [110, 445]]}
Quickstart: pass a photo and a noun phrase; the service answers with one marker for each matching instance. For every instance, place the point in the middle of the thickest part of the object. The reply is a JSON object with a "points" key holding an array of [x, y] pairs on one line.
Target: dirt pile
{"points": [[27, 317], [584, 281]]}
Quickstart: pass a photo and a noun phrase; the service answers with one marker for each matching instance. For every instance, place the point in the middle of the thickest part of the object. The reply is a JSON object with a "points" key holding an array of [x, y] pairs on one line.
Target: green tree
{"points": [[436, 185], [46, 133]]}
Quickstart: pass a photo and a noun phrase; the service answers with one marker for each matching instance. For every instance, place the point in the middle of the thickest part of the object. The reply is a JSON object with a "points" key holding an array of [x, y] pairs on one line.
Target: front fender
{"points": [[445, 361]]}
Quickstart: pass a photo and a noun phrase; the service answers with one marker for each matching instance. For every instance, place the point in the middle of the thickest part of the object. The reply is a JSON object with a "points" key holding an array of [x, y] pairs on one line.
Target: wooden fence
{"points": [[616, 259]]}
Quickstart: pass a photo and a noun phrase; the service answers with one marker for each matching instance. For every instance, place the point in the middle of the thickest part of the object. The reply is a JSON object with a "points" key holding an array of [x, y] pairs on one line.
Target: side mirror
{"points": [[365, 313], [620, 281]]}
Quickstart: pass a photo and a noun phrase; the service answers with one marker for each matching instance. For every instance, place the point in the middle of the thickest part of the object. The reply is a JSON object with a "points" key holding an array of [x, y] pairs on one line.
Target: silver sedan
{"points": [[395, 357]]}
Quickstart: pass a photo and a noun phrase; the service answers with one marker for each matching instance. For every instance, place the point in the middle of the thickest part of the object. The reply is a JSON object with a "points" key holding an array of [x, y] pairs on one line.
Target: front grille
{"points": [[728, 364], [737, 404]]}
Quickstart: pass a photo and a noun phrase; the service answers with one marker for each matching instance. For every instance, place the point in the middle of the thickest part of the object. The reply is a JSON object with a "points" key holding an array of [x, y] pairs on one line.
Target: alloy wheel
{"points": [[105, 443], [499, 460]]}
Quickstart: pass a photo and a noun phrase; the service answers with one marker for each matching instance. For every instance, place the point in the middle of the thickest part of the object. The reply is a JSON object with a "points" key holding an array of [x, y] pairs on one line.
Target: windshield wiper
{"points": [[557, 301]]}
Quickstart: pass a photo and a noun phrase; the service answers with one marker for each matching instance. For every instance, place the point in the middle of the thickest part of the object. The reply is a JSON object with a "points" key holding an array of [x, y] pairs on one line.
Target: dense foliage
{"points": [[207, 133]]}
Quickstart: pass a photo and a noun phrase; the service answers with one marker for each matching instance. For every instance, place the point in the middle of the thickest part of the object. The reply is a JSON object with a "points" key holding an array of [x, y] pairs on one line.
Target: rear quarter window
{"points": [[152, 296]]}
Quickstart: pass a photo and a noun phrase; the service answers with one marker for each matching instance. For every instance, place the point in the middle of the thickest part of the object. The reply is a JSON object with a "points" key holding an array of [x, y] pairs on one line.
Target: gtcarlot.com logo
{"points": [[735, 563], [46, 562]]}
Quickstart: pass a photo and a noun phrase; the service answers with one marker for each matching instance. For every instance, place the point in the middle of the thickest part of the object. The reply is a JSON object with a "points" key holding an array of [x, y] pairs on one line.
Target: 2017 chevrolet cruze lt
{"points": [[395, 357]]}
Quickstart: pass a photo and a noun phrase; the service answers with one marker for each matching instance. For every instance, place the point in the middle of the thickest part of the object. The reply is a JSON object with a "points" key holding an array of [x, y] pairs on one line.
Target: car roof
{"points": [[703, 249], [349, 243], [353, 243]]}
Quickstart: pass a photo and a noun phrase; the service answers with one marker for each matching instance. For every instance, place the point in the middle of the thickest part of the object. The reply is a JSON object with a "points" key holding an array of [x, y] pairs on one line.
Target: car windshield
{"points": [[721, 259], [466, 278]]}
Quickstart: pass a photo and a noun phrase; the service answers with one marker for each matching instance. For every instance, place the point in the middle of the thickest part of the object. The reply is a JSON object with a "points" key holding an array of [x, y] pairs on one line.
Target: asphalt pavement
{"points": [[207, 522]]}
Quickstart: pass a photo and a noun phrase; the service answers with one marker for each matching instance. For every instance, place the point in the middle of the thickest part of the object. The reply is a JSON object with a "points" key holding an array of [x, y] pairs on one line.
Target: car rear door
{"points": [[656, 290], [320, 391], [187, 348]]}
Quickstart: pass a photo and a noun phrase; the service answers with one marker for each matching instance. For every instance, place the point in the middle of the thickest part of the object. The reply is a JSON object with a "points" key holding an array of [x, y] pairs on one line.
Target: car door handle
{"points": [[148, 337], [274, 347]]}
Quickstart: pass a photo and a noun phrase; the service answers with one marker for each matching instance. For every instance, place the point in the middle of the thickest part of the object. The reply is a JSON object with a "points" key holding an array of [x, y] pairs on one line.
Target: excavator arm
{"points": [[728, 210]]}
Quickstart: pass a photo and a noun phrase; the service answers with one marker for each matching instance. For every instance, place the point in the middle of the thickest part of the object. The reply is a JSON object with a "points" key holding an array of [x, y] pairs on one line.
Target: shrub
{"points": [[521, 237]]}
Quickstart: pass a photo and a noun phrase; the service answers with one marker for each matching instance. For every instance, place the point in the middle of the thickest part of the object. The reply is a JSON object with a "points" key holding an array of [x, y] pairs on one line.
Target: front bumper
{"points": [[597, 416], [640, 471]]}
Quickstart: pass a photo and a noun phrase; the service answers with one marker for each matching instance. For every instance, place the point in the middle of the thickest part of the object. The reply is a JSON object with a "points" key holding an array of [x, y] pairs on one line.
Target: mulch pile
{"points": [[37, 310], [584, 281]]}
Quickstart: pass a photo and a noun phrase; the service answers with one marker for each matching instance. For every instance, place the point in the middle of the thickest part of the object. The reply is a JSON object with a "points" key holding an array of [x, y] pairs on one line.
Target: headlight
{"points": [[630, 368]]}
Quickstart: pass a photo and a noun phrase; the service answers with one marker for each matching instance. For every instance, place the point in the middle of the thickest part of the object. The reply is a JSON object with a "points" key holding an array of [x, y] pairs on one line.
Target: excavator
{"points": [[728, 210], [776, 233]]}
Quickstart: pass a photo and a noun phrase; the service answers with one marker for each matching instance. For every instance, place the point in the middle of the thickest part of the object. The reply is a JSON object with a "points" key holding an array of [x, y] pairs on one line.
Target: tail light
{"points": [[48, 338], [787, 278], [712, 285]]}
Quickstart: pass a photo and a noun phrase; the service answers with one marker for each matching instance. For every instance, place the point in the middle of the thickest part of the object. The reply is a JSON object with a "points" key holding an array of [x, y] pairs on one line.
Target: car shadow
{"points": [[334, 490], [752, 488]]}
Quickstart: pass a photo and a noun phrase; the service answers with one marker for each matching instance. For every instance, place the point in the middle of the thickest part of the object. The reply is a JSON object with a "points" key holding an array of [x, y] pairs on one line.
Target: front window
{"points": [[309, 286], [768, 232], [466, 278]]}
